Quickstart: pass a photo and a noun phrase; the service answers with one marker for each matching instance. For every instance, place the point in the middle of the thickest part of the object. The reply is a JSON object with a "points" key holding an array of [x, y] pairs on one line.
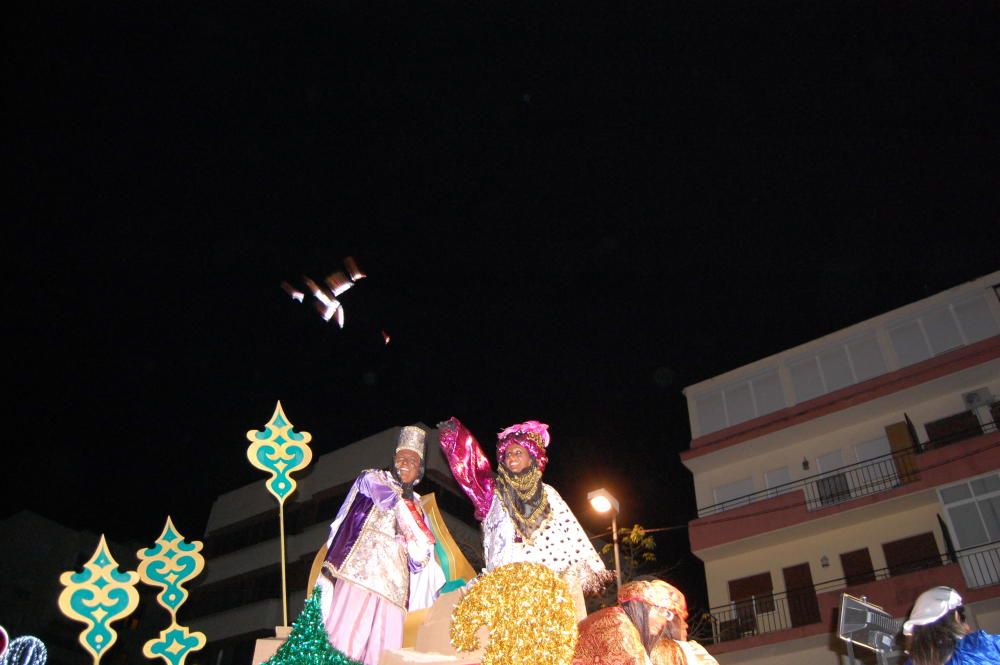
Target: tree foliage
{"points": [[635, 549]]}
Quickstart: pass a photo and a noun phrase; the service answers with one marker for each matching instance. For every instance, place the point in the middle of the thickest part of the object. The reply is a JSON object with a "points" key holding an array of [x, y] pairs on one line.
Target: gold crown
{"points": [[411, 437], [536, 437]]}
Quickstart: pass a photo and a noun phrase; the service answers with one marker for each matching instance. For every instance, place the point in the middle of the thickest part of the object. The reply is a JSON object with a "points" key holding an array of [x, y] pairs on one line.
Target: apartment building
{"points": [[238, 597], [866, 461]]}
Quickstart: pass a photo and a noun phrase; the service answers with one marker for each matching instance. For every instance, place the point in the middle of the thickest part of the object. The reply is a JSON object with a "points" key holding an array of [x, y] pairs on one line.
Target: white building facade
{"points": [[866, 462]]}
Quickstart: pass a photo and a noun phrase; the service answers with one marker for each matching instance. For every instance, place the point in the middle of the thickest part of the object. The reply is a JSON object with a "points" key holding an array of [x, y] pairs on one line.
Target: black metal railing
{"points": [[980, 565], [765, 614], [853, 481], [769, 613], [832, 487]]}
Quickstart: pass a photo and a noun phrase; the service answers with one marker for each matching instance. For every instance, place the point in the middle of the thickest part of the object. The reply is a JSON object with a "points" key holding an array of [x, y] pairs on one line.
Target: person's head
{"points": [[408, 462], [520, 445], [516, 458], [656, 608], [408, 466], [935, 625]]}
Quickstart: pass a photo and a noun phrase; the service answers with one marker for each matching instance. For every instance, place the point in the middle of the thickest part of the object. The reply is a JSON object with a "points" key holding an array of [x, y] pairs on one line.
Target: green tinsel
{"points": [[308, 643]]}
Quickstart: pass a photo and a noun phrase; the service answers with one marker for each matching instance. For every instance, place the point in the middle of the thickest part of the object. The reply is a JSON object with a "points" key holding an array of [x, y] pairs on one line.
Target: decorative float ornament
{"points": [[528, 611], [169, 564], [3, 642], [98, 596], [174, 644], [280, 451], [308, 643], [24, 650]]}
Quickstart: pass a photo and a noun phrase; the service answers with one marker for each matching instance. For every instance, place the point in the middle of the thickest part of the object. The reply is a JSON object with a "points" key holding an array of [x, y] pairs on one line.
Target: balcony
{"points": [[969, 570], [873, 476]]}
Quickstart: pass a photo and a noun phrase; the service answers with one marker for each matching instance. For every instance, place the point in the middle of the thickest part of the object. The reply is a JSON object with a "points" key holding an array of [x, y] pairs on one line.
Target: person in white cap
{"points": [[380, 557], [938, 635]]}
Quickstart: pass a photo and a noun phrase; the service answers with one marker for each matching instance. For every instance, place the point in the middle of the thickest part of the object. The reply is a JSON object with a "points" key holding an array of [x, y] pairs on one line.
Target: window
{"points": [[857, 566], [942, 329], [832, 488], [975, 319], [880, 472], [711, 413], [973, 510], [767, 393], [910, 344], [755, 591], [750, 596], [806, 379], [731, 493], [836, 367], [739, 402], [913, 553], [866, 357], [777, 480], [953, 428]]}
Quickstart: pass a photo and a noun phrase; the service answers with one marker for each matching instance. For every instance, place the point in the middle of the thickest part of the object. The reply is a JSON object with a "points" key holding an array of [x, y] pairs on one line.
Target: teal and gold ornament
{"points": [[279, 450], [97, 596], [169, 564], [308, 643]]}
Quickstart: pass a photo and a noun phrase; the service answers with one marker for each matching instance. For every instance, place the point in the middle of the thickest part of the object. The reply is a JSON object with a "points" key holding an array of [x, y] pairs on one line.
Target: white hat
{"points": [[411, 438], [931, 605]]}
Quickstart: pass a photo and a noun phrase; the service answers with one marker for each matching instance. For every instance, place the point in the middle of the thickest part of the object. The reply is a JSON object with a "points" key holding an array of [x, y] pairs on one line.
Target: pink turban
{"points": [[532, 435]]}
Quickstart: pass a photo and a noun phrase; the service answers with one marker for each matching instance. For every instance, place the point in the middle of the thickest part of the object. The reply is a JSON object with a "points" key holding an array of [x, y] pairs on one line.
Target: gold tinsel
{"points": [[529, 614]]}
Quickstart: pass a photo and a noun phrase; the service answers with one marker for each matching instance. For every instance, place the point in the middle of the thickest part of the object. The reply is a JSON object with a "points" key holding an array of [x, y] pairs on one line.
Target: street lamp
{"points": [[602, 501]]}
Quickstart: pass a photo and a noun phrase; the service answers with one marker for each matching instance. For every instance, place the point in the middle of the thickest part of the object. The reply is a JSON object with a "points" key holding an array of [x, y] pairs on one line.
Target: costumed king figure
{"points": [[523, 519], [647, 627], [380, 557]]}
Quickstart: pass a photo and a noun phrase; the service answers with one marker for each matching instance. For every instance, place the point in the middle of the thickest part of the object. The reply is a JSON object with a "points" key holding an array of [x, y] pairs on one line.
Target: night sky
{"points": [[567, 212]]}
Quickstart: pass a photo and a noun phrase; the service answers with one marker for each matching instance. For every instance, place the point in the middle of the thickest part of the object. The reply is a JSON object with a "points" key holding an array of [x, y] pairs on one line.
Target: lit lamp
{"points": [[602, 501]]}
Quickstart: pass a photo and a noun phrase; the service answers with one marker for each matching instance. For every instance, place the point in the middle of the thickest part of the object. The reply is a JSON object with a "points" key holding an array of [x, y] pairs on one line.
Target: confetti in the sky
{"points": [[293, 292], [335, 284], [352, 267]]}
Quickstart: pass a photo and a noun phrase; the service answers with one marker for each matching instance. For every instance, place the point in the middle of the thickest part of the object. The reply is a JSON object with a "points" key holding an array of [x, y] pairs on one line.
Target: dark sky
{"points": [[567, 212]]}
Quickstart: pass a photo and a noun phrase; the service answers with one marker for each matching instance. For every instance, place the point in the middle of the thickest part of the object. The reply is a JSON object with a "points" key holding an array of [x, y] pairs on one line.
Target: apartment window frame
{"points": [[855, 574], [762, 602], [898, 565], [843, 346], [955, 319], [975, 499], [751, 382]]}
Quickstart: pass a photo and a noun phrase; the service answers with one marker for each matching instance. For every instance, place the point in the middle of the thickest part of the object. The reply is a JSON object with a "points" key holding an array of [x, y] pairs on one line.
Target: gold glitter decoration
{"points": [[528, 611]]}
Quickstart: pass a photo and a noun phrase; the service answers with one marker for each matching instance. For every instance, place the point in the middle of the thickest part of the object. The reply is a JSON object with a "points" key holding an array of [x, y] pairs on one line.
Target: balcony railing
{"points": [[873, 476], [800, 607]]}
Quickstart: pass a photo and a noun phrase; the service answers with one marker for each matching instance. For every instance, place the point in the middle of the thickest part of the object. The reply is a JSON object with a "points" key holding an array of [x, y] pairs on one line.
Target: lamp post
{"points": [[602, 501]]}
